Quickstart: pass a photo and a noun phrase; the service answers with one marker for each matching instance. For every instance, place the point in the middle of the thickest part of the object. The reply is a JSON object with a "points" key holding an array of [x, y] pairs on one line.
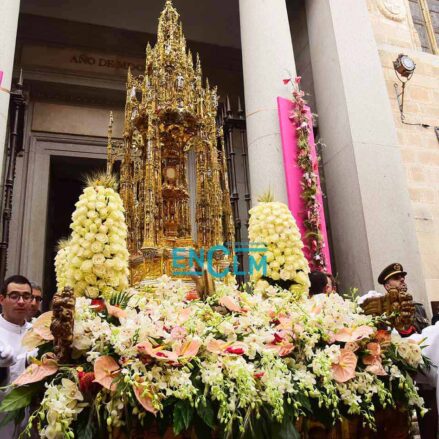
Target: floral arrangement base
{"points": [[391, 423]]}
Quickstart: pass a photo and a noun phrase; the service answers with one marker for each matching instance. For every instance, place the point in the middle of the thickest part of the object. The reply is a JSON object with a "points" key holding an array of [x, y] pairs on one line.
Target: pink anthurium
{"points": [[38, 371], [187, 349], [41, 326], [115, 311], [230, 303], [223, 348], [158, 352], [348, 335], [106, 370], [144, 398], [344, 369]]}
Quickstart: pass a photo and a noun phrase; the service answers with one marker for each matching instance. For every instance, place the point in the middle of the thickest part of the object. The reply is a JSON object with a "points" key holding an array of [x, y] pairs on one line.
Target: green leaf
{"points": [[183, 413], [202, 431], [286, 430], [19, 397], [13, 416], [205, 412], [85, 425]]}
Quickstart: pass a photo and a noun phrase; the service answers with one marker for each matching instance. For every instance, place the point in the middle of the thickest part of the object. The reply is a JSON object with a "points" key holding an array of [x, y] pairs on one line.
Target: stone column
{"points": [[9, 10], [371, 221], [267, 54]]}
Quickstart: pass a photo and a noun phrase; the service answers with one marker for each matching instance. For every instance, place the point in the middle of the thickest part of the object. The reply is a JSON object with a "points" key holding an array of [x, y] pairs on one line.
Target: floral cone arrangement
{"points": [[62, 263], [273, 224], [239, 363], [98, 255]]}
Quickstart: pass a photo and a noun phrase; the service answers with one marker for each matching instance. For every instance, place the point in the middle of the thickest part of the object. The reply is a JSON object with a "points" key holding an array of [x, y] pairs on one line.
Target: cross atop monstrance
{"points": [[170, 118]]}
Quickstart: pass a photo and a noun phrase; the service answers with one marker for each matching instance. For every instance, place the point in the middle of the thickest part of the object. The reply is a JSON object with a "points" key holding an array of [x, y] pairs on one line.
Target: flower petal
{"points": [[115, 311], [41, 326], [344, 370], [37, 372], [144, 399], [106, 369], [230, 303]]}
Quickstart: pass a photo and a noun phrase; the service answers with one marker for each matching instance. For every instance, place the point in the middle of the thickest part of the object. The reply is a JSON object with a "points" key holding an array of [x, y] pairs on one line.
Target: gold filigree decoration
{"points": [[168, 113]]}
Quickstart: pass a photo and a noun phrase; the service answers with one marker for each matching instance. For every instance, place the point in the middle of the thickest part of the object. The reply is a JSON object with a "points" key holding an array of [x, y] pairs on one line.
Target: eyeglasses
{"points": [[15, 297]]}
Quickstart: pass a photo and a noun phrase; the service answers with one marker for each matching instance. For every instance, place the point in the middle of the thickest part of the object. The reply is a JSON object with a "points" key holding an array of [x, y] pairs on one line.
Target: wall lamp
{"points": [[404, 68]]}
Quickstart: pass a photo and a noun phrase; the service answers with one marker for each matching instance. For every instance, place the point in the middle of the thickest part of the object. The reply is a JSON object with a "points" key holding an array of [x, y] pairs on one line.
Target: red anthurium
{"points": [[98, 304], [235, 350], [192, 295]]}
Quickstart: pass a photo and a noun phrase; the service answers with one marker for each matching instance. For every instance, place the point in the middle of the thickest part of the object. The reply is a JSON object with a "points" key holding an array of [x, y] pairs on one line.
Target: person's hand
{"points": [[7, 357]]}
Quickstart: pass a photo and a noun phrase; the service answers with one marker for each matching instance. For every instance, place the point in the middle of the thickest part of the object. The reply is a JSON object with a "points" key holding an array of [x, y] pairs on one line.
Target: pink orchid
{"points": [[298, 79], [286, 81], [344, 369]]}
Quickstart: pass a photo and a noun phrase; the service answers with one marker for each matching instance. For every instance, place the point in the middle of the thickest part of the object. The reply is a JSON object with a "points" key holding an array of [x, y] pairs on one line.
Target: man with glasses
{"points": [[37, 299], [15, 300]]}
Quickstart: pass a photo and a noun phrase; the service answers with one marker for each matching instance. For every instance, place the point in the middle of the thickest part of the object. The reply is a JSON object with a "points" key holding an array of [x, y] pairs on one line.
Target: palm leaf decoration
{"points": [[120, 299]]}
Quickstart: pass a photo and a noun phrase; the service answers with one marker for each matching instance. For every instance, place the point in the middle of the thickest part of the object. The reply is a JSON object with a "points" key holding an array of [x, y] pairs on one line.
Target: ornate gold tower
{"points": [[169, 113]]}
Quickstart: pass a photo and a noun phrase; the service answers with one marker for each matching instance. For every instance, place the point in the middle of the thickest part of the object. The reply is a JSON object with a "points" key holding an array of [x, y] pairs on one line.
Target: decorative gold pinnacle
{"points": [[169, 117]]}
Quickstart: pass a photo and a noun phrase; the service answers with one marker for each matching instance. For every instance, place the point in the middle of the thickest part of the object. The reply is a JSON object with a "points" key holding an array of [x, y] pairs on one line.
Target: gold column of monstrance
{"points": [[168, 112]]}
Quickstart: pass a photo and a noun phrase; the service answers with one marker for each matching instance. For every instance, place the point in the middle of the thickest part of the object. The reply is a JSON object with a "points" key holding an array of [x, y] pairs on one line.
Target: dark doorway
{"points": [[67, 180]]}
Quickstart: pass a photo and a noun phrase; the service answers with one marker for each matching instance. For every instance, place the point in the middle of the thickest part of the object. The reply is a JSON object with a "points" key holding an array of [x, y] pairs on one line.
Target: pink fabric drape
{"points": [[293, 173]]}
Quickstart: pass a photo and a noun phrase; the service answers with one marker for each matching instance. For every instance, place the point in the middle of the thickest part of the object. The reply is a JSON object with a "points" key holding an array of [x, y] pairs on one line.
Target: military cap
{"points": [[390, 271]]}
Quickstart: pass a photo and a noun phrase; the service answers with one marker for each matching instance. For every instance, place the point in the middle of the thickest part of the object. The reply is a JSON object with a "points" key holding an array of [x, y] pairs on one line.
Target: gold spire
{"points": [[167, 113]]}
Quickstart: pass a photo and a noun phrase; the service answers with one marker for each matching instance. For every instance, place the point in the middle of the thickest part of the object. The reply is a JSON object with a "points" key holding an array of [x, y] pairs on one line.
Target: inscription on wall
{"points": [[111, 63], [67, 60]]}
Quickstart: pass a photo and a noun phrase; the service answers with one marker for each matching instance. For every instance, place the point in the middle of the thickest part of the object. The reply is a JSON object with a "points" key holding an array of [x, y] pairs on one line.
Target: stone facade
{"points": [[395, 33]]}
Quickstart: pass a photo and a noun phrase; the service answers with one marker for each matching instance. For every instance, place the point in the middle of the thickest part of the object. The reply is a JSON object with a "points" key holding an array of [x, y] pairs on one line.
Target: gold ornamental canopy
{"points": [[170, 122]]}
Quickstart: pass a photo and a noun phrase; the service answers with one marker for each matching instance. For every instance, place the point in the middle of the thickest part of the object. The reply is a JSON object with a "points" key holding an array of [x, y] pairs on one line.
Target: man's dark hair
{"points": [[318, 282], [35, 286], [16, 279]]}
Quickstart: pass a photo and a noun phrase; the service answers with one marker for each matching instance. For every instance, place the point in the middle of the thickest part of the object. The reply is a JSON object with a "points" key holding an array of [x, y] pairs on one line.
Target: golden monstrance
{"points": [[173, 172]]}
